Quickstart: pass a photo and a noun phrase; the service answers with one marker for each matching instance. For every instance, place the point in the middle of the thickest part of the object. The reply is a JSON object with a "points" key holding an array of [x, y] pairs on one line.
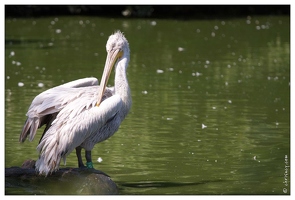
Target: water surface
{"points": [[211, 99]]}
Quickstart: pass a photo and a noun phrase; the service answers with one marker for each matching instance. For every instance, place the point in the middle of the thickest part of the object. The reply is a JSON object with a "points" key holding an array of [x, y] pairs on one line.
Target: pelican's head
{"points": [[118, 43], [117, 49]]}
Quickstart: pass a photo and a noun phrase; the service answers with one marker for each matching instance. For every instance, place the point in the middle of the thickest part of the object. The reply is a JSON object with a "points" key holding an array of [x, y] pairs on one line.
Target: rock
{"points": [[29, 164], [69, 181]]}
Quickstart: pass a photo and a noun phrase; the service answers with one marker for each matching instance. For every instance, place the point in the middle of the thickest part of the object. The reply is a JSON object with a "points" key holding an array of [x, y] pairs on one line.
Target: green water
{"points": [[211, 99]]}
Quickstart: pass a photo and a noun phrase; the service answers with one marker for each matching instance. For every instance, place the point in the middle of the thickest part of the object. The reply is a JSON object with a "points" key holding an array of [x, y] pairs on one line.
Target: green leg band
{"points": [[89, 165]]}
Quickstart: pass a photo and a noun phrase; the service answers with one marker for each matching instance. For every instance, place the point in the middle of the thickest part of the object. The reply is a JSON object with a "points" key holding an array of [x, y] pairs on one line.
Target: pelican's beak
{"points": [[112, 57]]}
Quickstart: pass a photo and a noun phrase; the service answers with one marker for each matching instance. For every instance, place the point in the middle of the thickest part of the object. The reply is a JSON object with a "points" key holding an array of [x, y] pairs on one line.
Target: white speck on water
{"points": [[20, 84], [58, 31], [171, 69], [199, 140], [229, 101], [207, 62], [126, 12], [180, 49], [255, 158], [8, 77], [40, 84], [216, 27], [153, 23], [169, 118], [144, 92], [204, 126], [266, 26], [277, 123], [12, 53], [212, 34], [213, 107], [99, 159], [226, 83], [198, 74], [16, 63], [215, 160], [160, 71]]}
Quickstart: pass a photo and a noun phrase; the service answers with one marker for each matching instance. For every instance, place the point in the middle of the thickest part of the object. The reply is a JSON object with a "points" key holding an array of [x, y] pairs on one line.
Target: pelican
{"points": [[80, 113]]}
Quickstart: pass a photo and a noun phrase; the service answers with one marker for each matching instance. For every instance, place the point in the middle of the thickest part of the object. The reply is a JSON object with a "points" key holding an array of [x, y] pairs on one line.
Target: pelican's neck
{"points": [[121, 83]]}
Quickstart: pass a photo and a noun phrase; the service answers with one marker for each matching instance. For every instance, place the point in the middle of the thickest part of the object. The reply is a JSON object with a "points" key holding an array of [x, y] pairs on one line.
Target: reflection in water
{"points": [[153, 187], [227, 74]]}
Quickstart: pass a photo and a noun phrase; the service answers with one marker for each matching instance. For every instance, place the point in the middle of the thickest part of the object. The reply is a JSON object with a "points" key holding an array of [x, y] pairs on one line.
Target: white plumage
{"points": [[80, 113]]}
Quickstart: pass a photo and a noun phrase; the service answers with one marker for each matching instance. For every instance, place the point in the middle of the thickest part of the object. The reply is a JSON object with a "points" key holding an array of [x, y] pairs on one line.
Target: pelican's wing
{"points": [[47, 104], [83, 82], [73, 125]]}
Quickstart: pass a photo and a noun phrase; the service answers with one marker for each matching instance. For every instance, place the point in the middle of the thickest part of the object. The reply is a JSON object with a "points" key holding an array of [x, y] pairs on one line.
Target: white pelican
{"points": [[80, 113]]}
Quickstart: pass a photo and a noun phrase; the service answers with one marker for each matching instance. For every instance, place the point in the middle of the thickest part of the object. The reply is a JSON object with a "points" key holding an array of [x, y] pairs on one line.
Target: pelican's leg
{"points": [[88, 159], [78, 153]]}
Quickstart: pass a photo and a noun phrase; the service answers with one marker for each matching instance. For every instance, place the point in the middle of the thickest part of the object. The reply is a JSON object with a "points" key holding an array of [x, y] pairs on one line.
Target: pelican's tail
{"points": [[51, 153], [30, 128], [42, 167]]}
